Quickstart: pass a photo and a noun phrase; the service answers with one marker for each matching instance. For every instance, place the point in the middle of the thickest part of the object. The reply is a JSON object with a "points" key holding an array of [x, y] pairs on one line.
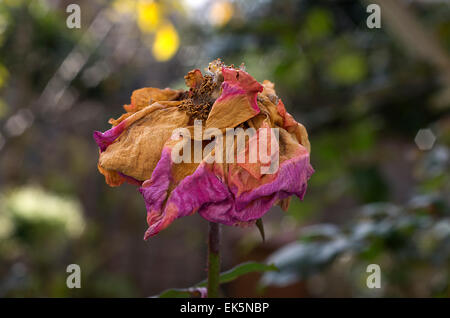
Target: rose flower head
{"points": [[226, 149]]}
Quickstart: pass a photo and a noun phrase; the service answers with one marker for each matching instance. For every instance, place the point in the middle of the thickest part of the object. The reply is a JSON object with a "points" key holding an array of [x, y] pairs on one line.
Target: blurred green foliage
{"points": [[410, 244]]}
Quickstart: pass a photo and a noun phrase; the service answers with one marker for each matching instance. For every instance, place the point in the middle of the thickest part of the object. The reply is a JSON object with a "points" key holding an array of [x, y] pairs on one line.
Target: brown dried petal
{"points": [[137, 151]]}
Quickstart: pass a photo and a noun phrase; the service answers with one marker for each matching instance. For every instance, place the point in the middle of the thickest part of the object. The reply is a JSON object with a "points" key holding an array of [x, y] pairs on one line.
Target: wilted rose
{"points": [[138, 149]]}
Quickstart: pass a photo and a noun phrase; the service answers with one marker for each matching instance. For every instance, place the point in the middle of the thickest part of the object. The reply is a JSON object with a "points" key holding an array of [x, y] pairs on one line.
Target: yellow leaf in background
{"points": [[124, 6], [149, 15], [220, 13], [13, 3], [166, 42]]}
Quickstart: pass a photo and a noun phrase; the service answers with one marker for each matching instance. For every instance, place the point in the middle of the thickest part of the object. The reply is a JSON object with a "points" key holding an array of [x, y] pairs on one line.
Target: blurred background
{"points": [[376, 103]]}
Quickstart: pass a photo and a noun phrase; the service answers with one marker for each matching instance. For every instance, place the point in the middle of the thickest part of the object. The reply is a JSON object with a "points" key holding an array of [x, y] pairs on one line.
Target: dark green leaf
{"points": [[260, 226], [225, 277], [181, 293], [243, 269]]}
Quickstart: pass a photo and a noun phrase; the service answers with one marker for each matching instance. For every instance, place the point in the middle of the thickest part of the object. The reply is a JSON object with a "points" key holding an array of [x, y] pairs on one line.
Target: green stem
{"points": [[213, 260]]}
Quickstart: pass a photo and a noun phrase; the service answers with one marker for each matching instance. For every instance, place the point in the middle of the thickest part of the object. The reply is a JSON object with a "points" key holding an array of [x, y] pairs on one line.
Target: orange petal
{"points": [[146, 96], [137, 150], [112, 178], [237, 103], [194, 78], [291, 125]]}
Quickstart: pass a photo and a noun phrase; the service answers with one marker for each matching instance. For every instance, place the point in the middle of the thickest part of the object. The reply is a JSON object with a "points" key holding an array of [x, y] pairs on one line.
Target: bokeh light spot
{"points": [[124, 6], [220, 13], [425, 139], [149, 15], [166, 42]]}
